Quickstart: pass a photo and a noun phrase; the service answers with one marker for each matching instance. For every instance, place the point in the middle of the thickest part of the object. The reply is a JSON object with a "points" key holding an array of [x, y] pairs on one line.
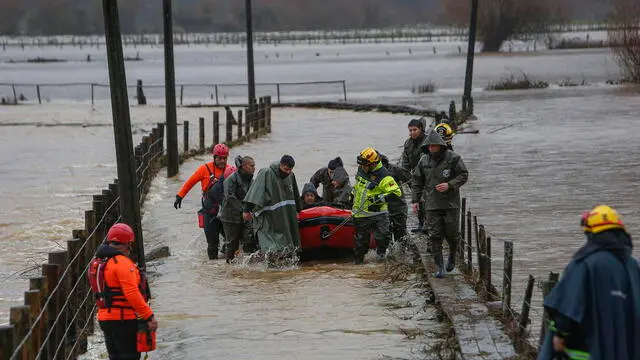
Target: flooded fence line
{"points": [[59, 309], [394, 35], [207, 94], [476, 262]]}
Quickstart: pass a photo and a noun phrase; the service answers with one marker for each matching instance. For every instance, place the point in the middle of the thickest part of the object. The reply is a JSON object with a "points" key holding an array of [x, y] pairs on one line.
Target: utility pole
{"points": [[250, 67], [127, 180], [467, 100], [173, 159]]}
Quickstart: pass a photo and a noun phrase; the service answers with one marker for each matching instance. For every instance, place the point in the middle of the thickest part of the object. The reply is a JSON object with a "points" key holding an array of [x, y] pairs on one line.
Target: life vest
{"points": [[107, 297]]}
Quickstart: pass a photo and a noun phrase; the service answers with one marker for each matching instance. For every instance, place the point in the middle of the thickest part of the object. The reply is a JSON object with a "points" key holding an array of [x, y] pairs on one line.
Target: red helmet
{"points": [[220, 150], [229, 170], [121, 233]]}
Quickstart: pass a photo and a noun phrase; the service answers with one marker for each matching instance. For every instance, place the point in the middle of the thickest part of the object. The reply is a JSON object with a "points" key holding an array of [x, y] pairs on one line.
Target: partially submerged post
{"points": [[142, 100], [129, 205]]}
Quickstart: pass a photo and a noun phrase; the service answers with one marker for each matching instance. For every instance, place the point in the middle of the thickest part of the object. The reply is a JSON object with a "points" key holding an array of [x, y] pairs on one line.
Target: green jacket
{"points": [[371, 202], [430, 172], [412, 152], [275, 202], [235, 188]]}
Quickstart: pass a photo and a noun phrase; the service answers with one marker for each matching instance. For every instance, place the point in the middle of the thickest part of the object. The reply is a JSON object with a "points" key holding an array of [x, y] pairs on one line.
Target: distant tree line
{"points": [[55, 17]]}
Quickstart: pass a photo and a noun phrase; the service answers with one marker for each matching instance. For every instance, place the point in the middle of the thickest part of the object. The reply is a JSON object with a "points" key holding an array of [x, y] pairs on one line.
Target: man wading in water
{"points": [[272, 202]]}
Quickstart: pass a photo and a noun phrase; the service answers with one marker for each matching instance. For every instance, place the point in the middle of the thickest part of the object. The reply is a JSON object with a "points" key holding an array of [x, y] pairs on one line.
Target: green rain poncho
{"points": [[276, 201]]}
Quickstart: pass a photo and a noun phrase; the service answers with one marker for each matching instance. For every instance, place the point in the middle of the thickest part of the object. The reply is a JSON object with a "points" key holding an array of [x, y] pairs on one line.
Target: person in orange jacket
{"points": [[208, 174], [121, 294]]}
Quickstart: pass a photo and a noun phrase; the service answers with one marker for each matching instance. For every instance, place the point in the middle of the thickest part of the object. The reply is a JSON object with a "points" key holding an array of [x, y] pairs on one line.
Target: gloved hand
{"points": [[372, 185], [380, 198], [178, 203]]}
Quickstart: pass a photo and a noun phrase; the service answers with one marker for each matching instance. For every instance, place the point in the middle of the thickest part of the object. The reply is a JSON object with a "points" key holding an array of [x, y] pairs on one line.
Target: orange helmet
{"points": [[121, 233], [600, 219]]}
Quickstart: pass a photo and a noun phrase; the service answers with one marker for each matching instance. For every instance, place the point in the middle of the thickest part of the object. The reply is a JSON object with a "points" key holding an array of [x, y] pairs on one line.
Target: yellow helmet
{"points": [[368, 156], [600, 219], [445, 130]]}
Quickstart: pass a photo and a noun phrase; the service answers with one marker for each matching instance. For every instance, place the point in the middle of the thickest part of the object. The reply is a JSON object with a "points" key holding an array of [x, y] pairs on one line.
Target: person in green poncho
{"points": [[273, 201]]}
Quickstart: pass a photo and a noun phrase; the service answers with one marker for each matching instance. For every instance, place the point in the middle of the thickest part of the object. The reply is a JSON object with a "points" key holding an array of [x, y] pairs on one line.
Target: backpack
{"points": [[104, 295]]}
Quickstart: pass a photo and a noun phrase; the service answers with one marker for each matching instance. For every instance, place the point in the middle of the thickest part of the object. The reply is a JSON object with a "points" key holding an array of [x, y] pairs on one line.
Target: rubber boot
{"points": [[359, 260], [451, 262], [381, 253], [437, 258], [419, 228], [213, 253]]}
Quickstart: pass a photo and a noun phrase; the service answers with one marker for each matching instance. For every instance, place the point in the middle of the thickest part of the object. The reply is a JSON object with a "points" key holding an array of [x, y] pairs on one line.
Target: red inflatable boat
{"points": [[319, 237], [317, 226]]}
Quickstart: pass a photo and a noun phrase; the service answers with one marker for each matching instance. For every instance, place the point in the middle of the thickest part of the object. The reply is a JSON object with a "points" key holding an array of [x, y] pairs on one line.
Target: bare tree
{"points": [[626, 38], [501, 20]]}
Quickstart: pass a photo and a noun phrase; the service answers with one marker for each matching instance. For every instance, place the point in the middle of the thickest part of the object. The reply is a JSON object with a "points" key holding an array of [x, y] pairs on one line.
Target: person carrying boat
{"points": [[374, 188], [411, 156], [207, 175], [446, 132], [309, 197], [121, 294], [237, 231], [594, 310], [273, 202], [439, 177], [324, 176], [397, 205]]}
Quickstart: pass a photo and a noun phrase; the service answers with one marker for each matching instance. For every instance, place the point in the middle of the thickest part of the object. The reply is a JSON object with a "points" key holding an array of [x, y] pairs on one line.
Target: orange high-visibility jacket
{"points": [[201, 175], [121, 273]]}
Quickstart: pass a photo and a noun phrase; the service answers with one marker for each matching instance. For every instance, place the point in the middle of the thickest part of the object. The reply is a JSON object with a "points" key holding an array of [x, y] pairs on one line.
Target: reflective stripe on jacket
{"points": [[366, 201]]}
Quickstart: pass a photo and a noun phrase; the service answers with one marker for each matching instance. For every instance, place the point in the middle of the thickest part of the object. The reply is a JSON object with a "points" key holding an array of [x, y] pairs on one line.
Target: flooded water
{"points": [[541, 158], [398, 67]]}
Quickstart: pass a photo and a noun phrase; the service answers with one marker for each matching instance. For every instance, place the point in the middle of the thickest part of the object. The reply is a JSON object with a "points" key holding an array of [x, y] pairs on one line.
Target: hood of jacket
{"points": [[107, 251], [616, 241]]}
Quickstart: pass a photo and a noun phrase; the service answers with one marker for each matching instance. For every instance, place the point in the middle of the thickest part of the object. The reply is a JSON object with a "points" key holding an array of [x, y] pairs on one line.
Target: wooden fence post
{"points": [[41, 284], [269, 107], [462, 219], [229, 126], [60, 258], [526, 305], [161, 136], [487, 265], [506, 277], [482, 256], [7, 341], [33, 299], [546, 289], [201, 133], [247, 123], [469, 245], [186, 136], [19, 318], [216, 128], [476, 230], [239, 124], [262, 123]]}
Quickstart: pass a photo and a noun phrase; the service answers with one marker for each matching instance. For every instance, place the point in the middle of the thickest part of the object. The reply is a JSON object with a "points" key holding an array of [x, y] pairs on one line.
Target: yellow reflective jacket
{"points": [[370, 202]]}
